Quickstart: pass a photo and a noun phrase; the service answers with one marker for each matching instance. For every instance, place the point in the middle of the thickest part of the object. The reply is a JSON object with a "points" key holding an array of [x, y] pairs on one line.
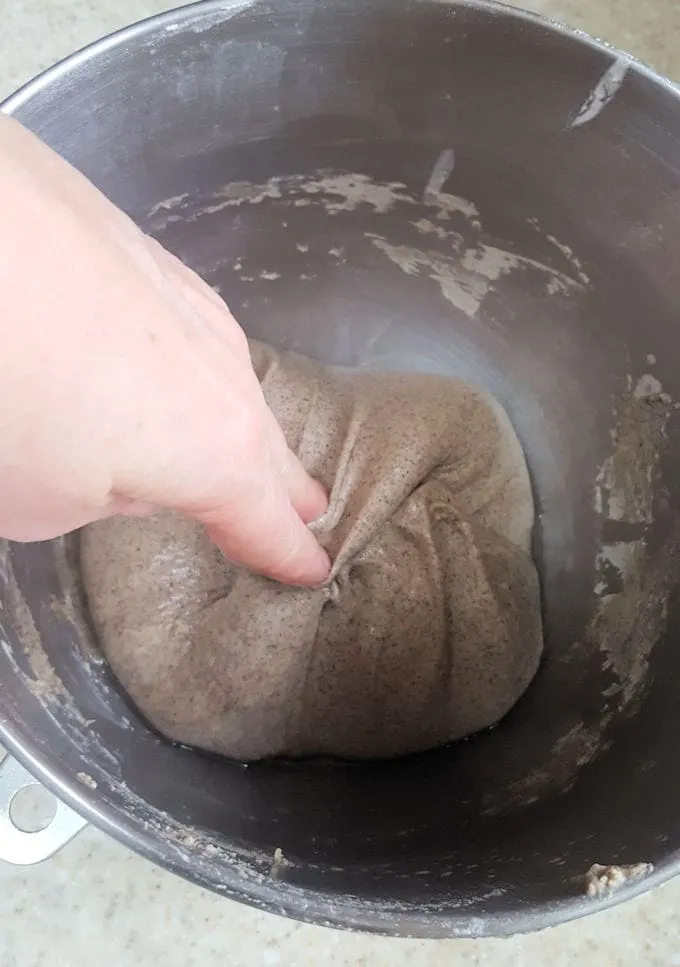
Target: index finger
{"points": [[261, 530]]}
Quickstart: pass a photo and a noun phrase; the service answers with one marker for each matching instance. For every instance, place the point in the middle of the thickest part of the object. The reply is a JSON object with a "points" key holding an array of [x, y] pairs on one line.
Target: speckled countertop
{"points": [[95, 902]]}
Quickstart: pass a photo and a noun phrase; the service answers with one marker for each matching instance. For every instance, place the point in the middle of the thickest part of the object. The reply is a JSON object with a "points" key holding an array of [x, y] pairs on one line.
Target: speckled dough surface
{"points": [[430, 627]]}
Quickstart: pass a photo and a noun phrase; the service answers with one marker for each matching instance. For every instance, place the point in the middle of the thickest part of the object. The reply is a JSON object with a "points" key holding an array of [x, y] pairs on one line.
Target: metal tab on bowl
{"points": [[19, 846]]}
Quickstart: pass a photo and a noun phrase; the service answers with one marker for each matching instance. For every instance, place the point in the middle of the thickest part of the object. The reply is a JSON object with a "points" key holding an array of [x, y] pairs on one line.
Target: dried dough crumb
{"points": [[602, 880]]}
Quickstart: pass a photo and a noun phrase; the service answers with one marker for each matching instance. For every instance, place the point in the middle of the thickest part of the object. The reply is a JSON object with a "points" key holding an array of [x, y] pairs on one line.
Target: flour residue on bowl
{"points": [[39, 674], [633, 584], [459, 258], [559, 771], [602, 94], [624, 489], [466, 277]]}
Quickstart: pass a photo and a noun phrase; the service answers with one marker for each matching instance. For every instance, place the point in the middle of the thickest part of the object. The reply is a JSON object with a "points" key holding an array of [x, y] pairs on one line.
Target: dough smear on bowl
{"points": [[430, 628]]}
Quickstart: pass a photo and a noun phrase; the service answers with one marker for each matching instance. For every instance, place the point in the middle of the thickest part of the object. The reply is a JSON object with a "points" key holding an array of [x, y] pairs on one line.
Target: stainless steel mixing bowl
{"points": [[446, 186]]}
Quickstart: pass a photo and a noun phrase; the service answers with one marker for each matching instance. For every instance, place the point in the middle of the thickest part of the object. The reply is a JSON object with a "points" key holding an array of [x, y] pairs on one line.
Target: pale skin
{"points": [[127, 382]]}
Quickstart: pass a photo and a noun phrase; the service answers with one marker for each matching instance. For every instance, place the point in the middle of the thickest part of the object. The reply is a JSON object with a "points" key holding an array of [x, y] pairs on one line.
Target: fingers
{"points": [[263, 532], [307, 495]]}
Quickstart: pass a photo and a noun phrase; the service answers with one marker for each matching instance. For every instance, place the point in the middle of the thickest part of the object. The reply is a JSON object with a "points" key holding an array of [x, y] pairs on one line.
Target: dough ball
{"points": [[430, 627]]}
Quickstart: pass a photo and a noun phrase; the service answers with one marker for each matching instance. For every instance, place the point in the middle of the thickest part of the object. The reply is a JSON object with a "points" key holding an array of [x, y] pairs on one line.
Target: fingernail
{"points": [[319, 569], [323, 498]]}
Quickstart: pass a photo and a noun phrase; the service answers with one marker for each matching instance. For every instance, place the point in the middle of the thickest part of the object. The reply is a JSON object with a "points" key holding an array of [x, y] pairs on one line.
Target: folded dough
{"points": [[430, 628]]}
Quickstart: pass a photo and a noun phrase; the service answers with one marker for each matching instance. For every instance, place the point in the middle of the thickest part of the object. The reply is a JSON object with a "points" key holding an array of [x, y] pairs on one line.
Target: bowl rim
{"points": [[183, 15]]}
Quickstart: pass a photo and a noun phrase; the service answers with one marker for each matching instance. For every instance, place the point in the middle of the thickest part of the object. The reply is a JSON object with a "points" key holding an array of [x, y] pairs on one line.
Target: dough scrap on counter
{"points": [[430, 628]]}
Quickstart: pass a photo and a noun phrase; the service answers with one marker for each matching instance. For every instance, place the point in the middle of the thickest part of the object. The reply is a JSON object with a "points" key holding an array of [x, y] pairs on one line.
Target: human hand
{"points": [[128, 384]]}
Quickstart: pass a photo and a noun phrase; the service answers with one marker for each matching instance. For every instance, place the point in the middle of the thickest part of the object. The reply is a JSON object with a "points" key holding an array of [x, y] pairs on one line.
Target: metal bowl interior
{"points": [[452, 187]]}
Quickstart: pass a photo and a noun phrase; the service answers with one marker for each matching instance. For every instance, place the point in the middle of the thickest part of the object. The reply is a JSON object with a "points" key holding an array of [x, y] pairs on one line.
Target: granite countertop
{"points": [[96, 901]]}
